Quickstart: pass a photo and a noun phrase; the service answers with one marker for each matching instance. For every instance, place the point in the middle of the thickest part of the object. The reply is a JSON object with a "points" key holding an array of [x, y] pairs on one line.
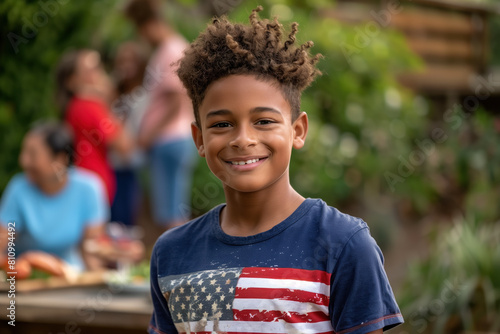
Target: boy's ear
{"points": [[198, 139], [300, 127]]}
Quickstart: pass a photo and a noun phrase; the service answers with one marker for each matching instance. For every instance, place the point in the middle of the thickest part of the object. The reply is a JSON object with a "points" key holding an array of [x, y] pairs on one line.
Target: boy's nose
{"points": [[244, 137]]}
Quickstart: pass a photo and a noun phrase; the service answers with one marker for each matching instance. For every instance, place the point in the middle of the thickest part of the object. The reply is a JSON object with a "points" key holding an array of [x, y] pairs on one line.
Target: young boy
{"points": [[267, 261]]}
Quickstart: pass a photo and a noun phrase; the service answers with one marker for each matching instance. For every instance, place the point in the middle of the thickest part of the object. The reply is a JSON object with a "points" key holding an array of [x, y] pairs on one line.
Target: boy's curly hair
{"points": [[226, 48]]}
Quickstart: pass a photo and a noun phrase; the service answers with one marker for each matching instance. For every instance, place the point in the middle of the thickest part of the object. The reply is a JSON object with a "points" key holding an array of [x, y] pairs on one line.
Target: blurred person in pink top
{"points": [[165, 131]]}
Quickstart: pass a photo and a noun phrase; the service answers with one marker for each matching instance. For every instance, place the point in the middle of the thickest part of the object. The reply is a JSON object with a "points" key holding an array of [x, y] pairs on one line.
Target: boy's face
{"points": [[246, 132]]}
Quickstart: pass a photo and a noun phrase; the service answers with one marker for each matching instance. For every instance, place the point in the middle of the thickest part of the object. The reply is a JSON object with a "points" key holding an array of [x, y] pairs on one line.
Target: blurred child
{"points": [[83, 93]]}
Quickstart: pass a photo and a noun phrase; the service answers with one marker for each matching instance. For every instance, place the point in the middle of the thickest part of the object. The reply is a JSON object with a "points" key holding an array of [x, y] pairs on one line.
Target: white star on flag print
{"points": [[249, 300]]}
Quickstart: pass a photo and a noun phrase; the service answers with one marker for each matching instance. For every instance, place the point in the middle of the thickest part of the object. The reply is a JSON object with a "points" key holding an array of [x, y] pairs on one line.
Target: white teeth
{"points": [[244, 162]]}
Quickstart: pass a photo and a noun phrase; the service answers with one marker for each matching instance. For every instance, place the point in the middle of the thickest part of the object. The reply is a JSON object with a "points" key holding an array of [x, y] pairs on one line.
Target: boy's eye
{"points": [[221, 125], [264, 122]]}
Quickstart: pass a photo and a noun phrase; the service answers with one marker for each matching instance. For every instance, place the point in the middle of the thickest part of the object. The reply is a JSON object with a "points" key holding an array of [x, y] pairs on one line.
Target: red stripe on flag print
{"points": [[291, 317], [294, 296], [284, 294], [288, 273]]}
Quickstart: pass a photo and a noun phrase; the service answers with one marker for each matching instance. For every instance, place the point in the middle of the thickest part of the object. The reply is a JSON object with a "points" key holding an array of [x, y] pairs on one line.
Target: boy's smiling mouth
{"points": [[245, 163]]}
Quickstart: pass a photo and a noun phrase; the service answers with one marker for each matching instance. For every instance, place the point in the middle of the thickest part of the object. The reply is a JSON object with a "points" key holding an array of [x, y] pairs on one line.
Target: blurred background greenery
{"points": [[366, 127]]}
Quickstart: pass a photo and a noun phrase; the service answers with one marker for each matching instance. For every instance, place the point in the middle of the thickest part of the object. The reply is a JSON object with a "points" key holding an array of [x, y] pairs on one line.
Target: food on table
{"points": [[45, 262], [36, 264]]}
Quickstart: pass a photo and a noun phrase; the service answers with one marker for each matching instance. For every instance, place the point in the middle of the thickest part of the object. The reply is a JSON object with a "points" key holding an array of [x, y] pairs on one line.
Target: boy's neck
{"points": [[251, 213]]}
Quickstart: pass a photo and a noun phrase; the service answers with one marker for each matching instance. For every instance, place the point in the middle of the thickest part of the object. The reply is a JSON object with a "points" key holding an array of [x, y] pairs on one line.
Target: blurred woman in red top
{"points": [[83, 93]]}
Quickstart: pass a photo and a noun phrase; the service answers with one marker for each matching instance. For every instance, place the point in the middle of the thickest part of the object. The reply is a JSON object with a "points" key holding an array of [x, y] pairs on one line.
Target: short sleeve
{"points": [[361, 297], [9, 205], [161, 321]]}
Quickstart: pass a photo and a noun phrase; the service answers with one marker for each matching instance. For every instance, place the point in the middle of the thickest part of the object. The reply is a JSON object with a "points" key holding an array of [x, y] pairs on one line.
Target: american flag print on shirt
{"points": [[249, 300]]}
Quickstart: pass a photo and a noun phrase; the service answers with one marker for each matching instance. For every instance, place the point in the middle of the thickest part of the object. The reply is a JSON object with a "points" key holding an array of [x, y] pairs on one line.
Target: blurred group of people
{"points": [[81, 172]]}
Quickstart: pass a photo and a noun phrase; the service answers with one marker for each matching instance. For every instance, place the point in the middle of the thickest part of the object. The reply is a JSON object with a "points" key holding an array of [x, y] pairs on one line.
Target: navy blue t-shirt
{"points": [[318, 271]]}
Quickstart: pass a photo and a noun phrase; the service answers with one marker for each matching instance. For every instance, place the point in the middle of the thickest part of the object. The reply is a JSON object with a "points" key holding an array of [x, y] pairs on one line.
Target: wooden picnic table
{"points": [[93, 310]]}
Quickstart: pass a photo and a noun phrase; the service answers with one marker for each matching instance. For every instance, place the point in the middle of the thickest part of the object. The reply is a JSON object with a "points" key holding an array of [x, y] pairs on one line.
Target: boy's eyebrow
{"points": [[220, 112], [264, 109], [223, 112]]}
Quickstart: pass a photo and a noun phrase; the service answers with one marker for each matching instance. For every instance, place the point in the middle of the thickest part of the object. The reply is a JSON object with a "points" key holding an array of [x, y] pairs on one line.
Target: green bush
{"points": [[457, 287]]}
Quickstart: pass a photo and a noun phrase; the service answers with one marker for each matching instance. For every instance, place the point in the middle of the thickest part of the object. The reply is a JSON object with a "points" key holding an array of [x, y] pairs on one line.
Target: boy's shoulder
{"points": [[332, 220], [335, 230]]}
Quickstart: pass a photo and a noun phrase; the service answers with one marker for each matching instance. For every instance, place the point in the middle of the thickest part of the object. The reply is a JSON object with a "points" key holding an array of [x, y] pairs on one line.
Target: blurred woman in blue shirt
{"points": [[52, 207]]}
